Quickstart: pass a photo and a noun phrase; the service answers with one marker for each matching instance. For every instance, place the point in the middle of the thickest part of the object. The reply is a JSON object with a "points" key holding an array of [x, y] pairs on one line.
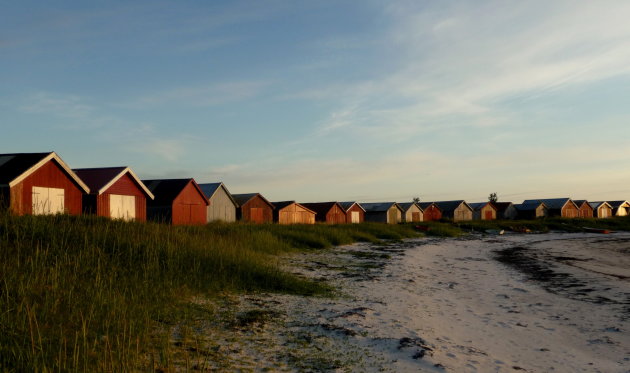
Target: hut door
{"points": [[392, 216], [47, 200], [415, 216], [122, 207], [354, 216], [488, 215], [256, 215]]}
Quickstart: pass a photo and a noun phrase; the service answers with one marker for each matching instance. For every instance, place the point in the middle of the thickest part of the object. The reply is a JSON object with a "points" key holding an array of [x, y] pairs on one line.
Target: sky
{"points": [[328, 100]]}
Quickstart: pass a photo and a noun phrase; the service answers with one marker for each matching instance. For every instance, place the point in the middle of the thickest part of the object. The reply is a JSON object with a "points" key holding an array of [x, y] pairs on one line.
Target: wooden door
{"points": [[256, 215], [488, 215], [392, 215], [47, 200], [122, 207], [415, 217], [354, 216]]}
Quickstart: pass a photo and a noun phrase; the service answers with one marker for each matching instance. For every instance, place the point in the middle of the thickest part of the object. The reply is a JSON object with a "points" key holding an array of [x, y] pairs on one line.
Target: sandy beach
{"points": [[517, 302]]}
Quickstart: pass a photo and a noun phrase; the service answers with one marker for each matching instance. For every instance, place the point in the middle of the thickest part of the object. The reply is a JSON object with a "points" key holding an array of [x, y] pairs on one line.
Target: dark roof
{"points": [[616, 204], [551, 203], [348, 204], [479, 205], [596, 205], [14, 167], [579, 202], [97, 179], [321, 208], [166, 190], [210, 188], [426, 205], [15, 164], [407, 205], [529, 205], [242, 199], [378, 206], [502, 206], [450, 205]]}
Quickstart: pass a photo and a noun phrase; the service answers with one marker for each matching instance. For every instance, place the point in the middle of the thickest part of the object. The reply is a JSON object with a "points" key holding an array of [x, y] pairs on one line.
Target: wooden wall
{"points": [[336, 215], [125, 186], [432, 213], [189, 208], [586, 211], [221, 207], [256, 210], [50, 175], [358, 211], [294, 214], [413, 215]]}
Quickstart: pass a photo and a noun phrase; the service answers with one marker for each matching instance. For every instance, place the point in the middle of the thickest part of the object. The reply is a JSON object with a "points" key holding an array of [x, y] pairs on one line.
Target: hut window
{"points": [[48, 200], [122, 207]]}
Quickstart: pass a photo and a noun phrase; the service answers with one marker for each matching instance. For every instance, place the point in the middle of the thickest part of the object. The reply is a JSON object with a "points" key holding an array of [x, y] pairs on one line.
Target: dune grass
{"points": [[86, 294]]}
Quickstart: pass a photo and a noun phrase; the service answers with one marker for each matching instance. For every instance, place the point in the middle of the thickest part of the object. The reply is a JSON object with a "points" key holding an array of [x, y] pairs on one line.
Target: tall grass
{"points": [[86, 294]]}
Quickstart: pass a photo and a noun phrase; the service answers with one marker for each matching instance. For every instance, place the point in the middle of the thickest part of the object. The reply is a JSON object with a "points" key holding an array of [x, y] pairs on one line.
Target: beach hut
{"points": [[354, 212], [290, 212], [584, 208], [620, 208], [383, 212], [412, 213], [601, 209], [455, 210], [431, 212], [222, 204], [559, 207], [177, 202], [254, 208], [506, 210], [39, 183], [115, 192], [484, 211], [531, 210], [327, 212]]}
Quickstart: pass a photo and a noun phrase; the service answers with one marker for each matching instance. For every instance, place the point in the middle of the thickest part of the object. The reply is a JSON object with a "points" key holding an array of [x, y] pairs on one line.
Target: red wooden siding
{"points": [[189, 208], [586, 211], [50, 175], [432, 213], [256, 210], [336, 215], [357, 209], [125, 186]]}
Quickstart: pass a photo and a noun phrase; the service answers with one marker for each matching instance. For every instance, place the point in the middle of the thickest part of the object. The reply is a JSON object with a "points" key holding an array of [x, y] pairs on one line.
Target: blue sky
{"points": [[328, 100]]}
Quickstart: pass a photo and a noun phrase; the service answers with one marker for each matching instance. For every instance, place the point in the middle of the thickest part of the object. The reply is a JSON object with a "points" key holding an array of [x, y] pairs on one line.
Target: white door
{"points": [[354, 216], [48, 200], [122, 207]]}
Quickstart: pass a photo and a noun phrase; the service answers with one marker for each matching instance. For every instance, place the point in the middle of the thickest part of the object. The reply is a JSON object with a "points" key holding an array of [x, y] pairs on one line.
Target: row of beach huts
{"points": [[42, 183]]}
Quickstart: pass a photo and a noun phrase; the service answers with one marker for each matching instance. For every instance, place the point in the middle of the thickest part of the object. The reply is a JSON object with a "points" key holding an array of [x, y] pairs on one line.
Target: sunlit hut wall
{"points": [[40, 183], [506, 210], [431, 212], [222, 205], [412, 213], [455, 210], [383, 212], [601, 209], [290, 212], [532, 210], [115, 192], [327, 212], [253, 208], [620, 208], [483, 211], [584, 208], [559, 207], [177, 201], [355, 213]]}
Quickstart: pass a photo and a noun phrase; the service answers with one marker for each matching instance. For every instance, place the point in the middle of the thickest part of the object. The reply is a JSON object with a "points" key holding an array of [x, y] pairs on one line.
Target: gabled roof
{"points": [[322, 208], [100, 179], [282, 204], [405, 206], [348, 205], [580, 202], [552, 203], [166, 190], [597, 205], [530, 205], [16, 167], [476, 206], [426, 205], [617, 204], [502, 206], [209, 189], [451, 205], [242, 199], [379, 206]]}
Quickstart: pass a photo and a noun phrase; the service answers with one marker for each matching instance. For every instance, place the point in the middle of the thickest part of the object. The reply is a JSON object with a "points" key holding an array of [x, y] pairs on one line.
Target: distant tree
{"points": [[493, 197], [416, 199]]}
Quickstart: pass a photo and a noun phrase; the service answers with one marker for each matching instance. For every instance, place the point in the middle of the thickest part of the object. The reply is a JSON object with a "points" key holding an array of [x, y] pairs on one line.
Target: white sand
{"points": [[448, 305]]}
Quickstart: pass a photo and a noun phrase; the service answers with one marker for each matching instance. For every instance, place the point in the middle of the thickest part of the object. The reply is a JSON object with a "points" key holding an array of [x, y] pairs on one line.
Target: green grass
{"points": [[88, 294]]}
